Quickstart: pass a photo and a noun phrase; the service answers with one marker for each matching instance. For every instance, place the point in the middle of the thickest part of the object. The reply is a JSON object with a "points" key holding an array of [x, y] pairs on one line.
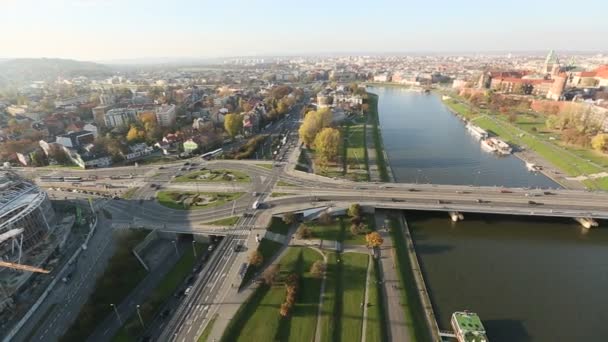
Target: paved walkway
{"points": [[397, 329]]}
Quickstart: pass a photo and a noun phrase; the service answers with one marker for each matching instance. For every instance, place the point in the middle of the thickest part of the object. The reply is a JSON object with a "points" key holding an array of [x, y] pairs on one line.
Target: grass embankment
{"points": [[111, 287], [377, 136], [266, 166], [224, 222], [174, 200], [131, 330], [410, 300], [206, 176], [529, 131], [268, 249], [129, 193], [259, 316], [277, 225], [280, 194], [205, 335], [283, 183]]}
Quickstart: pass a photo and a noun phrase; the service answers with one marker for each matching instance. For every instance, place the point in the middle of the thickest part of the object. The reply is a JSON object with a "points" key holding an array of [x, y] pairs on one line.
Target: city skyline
{"points": [[106, 30]]}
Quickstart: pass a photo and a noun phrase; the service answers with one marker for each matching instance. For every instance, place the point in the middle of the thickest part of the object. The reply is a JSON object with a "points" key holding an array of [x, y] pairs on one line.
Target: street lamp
{"points": [[141, 320], [117, 314]]}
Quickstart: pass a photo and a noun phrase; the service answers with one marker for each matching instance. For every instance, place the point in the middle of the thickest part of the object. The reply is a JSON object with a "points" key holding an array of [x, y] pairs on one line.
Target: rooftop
{"points": [[470, 326]]}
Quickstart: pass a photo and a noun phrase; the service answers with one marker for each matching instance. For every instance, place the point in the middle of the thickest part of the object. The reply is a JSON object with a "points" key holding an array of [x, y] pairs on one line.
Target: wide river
{"points": [[529, 279]]}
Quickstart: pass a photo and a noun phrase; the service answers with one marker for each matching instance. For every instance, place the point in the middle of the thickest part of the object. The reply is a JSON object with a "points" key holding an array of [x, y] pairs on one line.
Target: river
{"points": [[530, 279]]}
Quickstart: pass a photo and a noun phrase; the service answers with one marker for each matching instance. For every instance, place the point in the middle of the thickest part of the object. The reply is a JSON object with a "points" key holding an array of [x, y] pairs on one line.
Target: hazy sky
{"points": [[125, 29]]}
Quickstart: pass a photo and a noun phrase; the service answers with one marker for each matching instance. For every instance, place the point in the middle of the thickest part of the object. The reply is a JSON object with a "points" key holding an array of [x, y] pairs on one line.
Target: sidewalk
{"points": [[395, 316], [374, 174]]}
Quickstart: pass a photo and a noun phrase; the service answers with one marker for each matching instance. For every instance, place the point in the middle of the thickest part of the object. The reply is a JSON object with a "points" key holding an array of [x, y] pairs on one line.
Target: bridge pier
{"points": [[586, 222], [456, 216]]}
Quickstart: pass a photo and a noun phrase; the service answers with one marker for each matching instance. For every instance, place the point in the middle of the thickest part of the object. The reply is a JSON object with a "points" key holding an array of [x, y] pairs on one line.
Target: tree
{"points": [[354, 210], [327, 144], [284, 310], [512, 117], [233, 124], [289, 218], [303, 232], [326, 218], [256, 258], [135, 134], [356, 228], [374, 239], [317, 269], [600, 142], [271, 273]]}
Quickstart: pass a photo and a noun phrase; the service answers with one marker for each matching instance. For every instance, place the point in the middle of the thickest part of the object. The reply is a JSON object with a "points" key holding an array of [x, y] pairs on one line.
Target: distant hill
{"points": [[40, 69]]}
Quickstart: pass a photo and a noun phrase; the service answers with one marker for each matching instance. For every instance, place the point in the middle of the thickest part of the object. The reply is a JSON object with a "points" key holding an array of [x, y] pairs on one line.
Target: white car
{"points": [[188, 290]]}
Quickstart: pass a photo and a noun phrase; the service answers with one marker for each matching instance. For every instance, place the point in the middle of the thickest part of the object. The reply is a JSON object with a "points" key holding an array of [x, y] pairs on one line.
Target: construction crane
{"points": [[22, 267], [12, 234]]}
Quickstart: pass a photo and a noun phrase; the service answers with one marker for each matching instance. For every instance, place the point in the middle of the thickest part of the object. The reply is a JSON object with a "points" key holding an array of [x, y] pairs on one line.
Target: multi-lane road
{"points": [[306, 191]]}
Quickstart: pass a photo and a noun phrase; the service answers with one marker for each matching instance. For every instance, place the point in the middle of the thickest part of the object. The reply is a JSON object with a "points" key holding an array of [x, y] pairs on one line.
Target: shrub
{"points": [[317, 269], [303, 232]]}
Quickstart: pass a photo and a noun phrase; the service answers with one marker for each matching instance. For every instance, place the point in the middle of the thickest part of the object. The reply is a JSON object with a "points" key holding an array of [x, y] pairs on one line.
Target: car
{"points": [[413, 190], [534, 203], [397, 200], [210, 248], [190, 280], [479, 200], [255, 193], [238, 247], [247, 215], [165, 313], [188, 289], [442, 202], [161, 167]]}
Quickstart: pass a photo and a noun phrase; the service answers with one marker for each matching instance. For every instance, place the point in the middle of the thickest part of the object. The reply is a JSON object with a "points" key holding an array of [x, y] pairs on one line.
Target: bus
{"points": [[72, 179], [212, 154], [51, 179]]}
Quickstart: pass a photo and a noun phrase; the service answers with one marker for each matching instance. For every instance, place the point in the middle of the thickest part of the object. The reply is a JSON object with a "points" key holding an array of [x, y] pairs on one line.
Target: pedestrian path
{"points": [[374, 174], [397, 329]]}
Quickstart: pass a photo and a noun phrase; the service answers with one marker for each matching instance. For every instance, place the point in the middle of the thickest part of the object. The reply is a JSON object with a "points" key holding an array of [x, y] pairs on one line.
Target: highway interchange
{"points": [[304, 191]]}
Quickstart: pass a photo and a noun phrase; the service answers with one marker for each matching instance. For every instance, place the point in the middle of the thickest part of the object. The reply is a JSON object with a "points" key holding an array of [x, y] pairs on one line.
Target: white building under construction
{"points": [[26, 220]]}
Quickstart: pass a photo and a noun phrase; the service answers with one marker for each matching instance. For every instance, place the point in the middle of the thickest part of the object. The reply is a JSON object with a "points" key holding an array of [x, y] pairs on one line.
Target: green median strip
{"points": [[195, 200], [132, 329]]}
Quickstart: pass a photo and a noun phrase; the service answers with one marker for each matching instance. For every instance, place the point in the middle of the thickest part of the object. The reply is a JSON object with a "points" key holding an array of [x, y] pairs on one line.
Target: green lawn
{"points": [[572, 165], [205, 335], [206, 176], [129, 193], [171, 199], [282, 183], [353, 292], [356, 160], [268, 249], [338, 230], [529, 131], [132, 328], [301, 325], [280, 194], [224, 222], [376, 316], [278, 226], [111, 287], [259, 316], [332, 231], [330, 320], [410, 300], [266, 166]]}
